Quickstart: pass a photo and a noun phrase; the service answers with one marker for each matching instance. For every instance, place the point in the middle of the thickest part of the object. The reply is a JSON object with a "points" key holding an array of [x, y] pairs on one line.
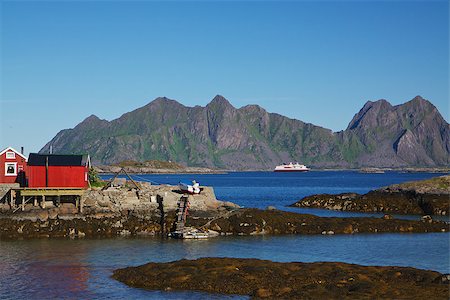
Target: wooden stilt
{"points": [[18, 198], [13, 199], [81, 204]]}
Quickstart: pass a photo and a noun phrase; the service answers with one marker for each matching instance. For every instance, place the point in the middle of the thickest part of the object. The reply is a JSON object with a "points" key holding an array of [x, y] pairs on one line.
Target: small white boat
{"points": [[291, 167], [195, 235], [193, 188], [190, 233]]}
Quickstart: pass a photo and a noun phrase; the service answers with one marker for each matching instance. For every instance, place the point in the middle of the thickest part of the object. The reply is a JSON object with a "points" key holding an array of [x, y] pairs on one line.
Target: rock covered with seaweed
{"points": [[425, 197]]}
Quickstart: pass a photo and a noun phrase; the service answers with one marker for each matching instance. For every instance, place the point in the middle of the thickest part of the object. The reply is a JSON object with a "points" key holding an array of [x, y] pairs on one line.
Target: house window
{"points": [[10, 155], [10, 169]]}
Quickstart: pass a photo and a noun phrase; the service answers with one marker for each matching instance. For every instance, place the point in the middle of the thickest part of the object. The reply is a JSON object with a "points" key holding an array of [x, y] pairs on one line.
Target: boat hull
{"points": [[189, 189], [291, 168]]}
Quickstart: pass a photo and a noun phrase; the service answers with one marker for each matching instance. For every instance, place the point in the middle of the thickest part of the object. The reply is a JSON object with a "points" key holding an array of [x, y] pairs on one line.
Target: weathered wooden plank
{"points": [[51, 192]]}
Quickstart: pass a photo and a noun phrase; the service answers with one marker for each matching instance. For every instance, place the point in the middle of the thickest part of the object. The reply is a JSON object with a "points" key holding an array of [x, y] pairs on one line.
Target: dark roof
{"points": [[36, 159]]}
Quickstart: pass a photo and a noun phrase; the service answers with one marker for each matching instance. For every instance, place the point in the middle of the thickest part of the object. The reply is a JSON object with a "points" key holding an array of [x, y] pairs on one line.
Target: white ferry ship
{"points": [[291, 167]]}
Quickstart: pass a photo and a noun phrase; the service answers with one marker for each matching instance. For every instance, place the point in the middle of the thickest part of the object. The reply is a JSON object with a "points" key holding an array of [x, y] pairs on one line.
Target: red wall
{"points": [[58, 176], [21, 164]]}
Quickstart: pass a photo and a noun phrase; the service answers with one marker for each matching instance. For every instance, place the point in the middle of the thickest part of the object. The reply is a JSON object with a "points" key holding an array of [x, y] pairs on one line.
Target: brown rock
{"points": [[263, 293], [274, 280], [388, 217], [42, 215], [67, 208], [53, 213]]}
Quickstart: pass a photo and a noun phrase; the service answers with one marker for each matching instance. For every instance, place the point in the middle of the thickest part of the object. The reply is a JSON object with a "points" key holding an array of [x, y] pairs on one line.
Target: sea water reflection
{"points": [[82, 268]]}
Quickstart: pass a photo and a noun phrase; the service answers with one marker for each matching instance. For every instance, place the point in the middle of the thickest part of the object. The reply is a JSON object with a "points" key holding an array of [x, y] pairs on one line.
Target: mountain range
{"points": [[413, 134]]}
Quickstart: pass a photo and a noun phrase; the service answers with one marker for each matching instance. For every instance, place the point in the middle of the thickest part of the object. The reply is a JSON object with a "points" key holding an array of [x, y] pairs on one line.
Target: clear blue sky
{"points": [[319, 62]]}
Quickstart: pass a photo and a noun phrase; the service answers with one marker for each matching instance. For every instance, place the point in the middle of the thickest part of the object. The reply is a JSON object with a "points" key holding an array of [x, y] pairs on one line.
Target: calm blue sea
{"points": [[262, 189], [81, 269]]}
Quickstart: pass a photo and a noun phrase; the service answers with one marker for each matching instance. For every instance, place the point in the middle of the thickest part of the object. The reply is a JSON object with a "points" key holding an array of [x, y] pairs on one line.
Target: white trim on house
{"points": [[7, 165], [14, 150]]}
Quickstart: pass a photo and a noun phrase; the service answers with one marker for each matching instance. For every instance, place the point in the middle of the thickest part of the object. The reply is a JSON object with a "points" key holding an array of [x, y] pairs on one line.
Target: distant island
{"points": [[220, 136], [153, 166]]}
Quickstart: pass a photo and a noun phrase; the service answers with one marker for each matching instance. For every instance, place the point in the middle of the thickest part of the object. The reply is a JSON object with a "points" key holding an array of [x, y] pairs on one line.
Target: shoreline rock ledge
{"points": [[115, 211], [126, 211], [266, 279], [425, 197]]}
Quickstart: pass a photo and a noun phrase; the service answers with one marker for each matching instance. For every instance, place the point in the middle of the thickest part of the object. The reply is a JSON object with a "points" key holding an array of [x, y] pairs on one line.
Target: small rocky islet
{"points": [[425, 197], [294, 280]]}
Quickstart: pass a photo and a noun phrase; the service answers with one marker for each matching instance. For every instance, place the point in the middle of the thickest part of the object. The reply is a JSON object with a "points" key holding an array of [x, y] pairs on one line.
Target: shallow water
{"points": [[57, 269], [61, 269]]}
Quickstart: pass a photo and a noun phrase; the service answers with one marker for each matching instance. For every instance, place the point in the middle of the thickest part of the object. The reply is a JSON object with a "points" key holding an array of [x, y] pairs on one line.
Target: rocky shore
{"points": [[48, 224], [295, 280], [127, 210], [426, 197], [254, 221], [123, 210]]}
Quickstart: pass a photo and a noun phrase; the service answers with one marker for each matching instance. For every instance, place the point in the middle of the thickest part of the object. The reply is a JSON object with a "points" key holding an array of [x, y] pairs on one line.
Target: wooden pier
{"points": [[18, 197]]}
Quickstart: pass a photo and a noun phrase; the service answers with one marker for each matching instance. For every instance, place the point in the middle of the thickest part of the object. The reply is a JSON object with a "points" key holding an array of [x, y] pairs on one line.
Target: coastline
{"points": [[239, 222], [139, 171], [129, 210], [424, 197], [112, 170]]}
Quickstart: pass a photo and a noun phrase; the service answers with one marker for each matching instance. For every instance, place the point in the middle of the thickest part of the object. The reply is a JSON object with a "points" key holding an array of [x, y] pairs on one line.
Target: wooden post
{"points": [[13, 199], [43, 201], [35, 201], [81, 204], [23, 203], [58, 201], [162, 221], [10, 199], [77, 202]]}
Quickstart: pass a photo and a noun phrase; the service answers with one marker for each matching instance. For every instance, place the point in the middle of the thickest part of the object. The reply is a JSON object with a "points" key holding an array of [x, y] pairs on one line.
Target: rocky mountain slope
{"points": [[222, 136]]}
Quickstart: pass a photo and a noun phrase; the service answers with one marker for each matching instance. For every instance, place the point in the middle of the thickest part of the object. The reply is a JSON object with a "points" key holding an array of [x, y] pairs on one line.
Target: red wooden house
{"points": [[13, 166], [58, 171]]}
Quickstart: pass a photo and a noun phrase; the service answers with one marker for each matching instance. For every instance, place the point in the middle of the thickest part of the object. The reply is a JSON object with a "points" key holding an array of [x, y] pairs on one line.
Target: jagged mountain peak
{"points": [[220, 101], [91, 118], [91, 121], [378, 104], [252, 108], [220, 135], [375, 113], [418, 103], [419, 98], [369, 113], [163, 101]]}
